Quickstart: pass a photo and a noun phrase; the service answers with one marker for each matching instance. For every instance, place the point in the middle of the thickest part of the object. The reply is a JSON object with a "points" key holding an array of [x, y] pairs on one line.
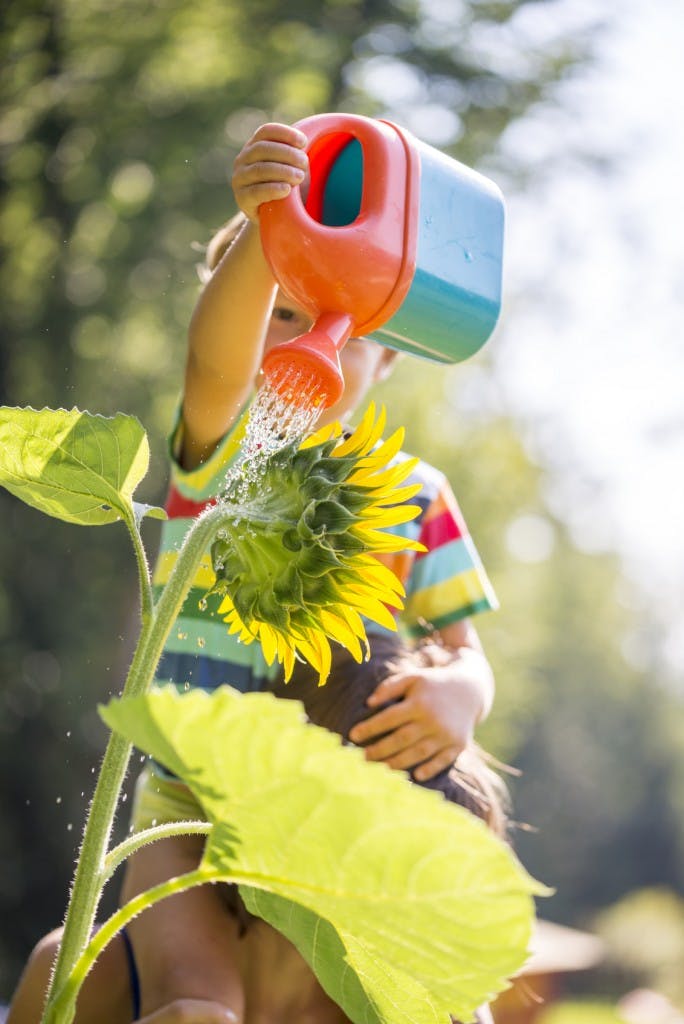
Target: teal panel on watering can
{"points": [[455, 297], [342, 193]]}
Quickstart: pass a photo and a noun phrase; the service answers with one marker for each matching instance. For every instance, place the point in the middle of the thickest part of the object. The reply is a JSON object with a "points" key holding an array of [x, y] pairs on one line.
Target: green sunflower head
{"points": [[296, 568]]}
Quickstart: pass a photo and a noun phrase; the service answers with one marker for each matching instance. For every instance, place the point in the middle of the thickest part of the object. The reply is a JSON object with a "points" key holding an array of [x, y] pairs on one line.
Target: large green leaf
{"points": [[407, 907], [74, 465]]}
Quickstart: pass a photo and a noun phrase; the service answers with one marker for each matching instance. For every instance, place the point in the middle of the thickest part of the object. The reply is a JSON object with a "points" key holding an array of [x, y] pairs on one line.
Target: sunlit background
{"points": [[564, 438]]}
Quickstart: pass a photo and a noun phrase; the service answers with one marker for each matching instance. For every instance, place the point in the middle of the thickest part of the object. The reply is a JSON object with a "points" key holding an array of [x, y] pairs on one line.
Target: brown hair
{"points": [[218, 245], [341, 703]]}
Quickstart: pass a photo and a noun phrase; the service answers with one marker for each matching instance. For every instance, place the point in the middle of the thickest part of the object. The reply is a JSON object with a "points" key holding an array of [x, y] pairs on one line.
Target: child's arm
{"points": [[227, 329], [438, 706]]}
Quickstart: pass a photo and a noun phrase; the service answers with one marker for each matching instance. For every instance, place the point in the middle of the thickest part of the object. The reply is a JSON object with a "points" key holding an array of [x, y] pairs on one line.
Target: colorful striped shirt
{"points": [[445, 583]]}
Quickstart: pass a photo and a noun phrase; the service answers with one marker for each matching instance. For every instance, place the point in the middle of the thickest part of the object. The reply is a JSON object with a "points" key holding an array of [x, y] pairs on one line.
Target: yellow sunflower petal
{"points": [[374, 609], [322, 435], [340, 631], [226, 606], [375, 433], [397, 495], [377, 540], [357, 441], [316, 650], [379, 518], [354, 621], [370, 476], [382, 575], [269, 642], [286, 655], [386, 451]]}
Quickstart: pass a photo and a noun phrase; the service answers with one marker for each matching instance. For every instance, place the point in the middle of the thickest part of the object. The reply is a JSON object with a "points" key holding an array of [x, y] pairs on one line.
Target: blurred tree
{"points": [[118, 124], [644, 936]]}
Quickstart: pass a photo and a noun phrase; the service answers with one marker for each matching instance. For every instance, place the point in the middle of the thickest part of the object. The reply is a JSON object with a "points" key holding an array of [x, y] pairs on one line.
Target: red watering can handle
{"points": [[328, 134]]}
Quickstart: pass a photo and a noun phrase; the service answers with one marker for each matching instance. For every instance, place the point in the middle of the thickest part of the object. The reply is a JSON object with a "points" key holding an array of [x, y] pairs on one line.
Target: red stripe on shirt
{"points": [[179, 507], [438, 531]]}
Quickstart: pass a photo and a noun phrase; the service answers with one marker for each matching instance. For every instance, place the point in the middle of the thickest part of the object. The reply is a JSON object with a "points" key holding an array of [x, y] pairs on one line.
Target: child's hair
{"points": [[341, 703], [218, 245]]}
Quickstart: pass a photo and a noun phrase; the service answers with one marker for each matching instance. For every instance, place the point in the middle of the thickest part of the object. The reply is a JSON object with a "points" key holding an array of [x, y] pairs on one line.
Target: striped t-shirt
{"points": [[445, 583]]}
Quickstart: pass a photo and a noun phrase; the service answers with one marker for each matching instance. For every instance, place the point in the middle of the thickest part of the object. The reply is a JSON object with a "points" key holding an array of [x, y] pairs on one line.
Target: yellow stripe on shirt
{"points": [[205, 577], [460, 591]]}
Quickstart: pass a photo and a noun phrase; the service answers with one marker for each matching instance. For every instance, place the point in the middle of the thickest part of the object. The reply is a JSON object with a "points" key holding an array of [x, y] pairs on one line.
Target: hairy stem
{"points": [[90, 874], [62, 1006], [146, 601], [132, 843]]}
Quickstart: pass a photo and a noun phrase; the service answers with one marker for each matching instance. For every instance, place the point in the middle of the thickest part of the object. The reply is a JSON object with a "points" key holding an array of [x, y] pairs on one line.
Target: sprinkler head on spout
{"points": [[307, 369]]}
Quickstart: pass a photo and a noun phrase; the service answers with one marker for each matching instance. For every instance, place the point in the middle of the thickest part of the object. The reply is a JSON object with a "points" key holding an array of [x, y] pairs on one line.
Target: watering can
{"points": [[396, 241]]}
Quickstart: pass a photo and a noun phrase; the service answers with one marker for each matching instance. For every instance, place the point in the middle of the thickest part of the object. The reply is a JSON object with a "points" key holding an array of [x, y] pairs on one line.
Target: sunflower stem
{"points": [[135, 842], [90, 875]]}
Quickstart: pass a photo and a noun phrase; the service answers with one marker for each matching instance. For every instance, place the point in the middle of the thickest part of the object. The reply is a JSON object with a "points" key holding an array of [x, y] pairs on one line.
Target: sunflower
{"points": [[296, 569]]}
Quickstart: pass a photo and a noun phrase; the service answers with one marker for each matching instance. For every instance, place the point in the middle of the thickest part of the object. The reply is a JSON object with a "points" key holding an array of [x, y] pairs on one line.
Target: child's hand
{"points": [[269, 166], [433, 721], [190, 1011]]}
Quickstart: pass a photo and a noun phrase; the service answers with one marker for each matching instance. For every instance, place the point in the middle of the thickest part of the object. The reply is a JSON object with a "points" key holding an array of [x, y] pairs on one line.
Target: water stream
{"points": [[283, 413]]}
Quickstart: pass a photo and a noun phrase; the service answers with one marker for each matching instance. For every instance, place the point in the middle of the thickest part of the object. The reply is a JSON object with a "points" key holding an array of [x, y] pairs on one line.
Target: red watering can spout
{"points": [[309, 365]]}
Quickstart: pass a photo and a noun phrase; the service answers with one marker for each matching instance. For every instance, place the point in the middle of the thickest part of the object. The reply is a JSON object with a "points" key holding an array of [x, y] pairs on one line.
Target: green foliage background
{"points": [[118, 127]]}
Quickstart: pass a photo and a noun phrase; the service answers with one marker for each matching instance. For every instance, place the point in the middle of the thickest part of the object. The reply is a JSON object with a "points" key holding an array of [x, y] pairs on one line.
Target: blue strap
{"points": [[132, 974]]}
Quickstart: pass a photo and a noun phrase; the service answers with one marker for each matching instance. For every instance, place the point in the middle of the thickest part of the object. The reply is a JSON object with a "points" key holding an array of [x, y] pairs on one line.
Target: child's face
{"points": [[363, 362]]}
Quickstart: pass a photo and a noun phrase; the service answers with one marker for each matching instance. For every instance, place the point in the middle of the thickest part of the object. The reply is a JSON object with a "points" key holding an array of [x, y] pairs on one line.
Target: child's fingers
{"points": [[251, 197], [267, 171], [276, 132], [396, 743], [390, 688], [417, 753], [442, 760], [272, 152], [383, 721]]}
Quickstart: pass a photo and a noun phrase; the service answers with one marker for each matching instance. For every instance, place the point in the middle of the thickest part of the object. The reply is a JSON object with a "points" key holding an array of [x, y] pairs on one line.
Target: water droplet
{"points": [[58, 800], [68, 733], [468, 256], [186, 686], [203, 604], [182, 636], [201, 642], [69, 827], [124, 798]]}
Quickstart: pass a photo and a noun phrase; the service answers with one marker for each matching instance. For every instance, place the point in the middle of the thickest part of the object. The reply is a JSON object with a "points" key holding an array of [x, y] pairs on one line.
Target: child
{"points": [[195, 945]]}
